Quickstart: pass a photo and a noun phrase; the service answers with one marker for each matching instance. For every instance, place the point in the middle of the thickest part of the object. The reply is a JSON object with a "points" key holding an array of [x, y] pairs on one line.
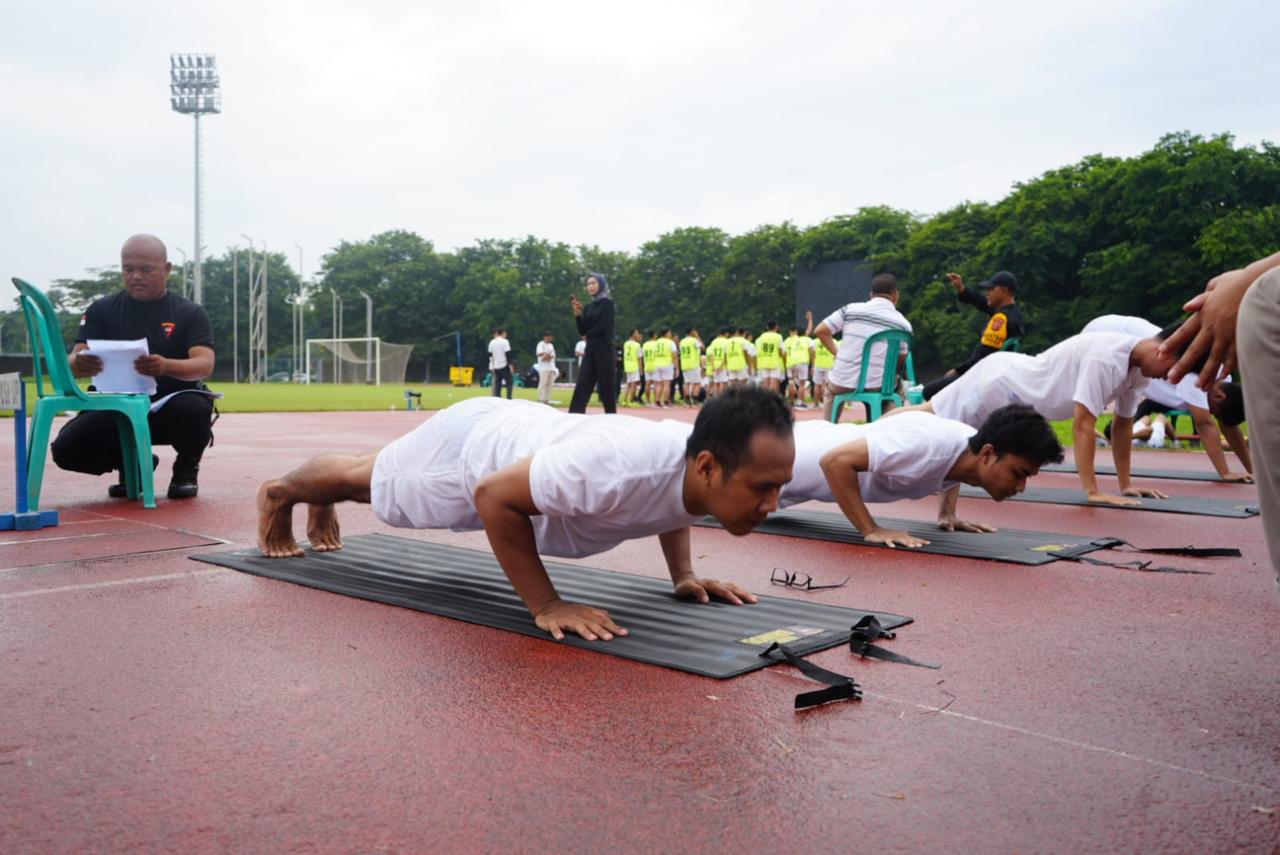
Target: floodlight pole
{"points": [[193, 89], [252, 309]]}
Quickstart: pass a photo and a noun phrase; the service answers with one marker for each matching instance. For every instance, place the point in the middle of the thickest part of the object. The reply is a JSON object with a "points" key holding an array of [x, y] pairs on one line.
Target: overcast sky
{"points": [[601, 123]]}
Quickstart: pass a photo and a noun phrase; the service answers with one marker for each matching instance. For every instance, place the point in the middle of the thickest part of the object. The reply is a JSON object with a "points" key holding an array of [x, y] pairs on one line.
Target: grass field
{"points": [[333, 397]]}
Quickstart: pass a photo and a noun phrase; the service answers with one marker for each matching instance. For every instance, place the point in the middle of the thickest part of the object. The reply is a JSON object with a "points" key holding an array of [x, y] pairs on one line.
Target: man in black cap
{"points": [[1005, 322]]}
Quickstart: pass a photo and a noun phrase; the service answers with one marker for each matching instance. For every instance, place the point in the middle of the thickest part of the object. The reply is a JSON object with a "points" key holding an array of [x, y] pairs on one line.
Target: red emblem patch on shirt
{"points": [[168, 326], [997, 323]]}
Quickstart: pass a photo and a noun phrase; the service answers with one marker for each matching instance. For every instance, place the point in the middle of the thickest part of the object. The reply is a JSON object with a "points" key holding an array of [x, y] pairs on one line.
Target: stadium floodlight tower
{"points": [[193, 89]]}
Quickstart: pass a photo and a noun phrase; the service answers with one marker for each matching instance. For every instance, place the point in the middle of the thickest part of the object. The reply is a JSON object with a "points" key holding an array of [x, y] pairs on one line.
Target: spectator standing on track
{"points": [[595, 322], [499, 364], [545, 363]]}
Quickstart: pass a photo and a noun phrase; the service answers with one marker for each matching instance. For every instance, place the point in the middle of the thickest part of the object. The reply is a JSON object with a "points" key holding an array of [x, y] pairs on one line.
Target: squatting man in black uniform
{"points": [[180, 345]]}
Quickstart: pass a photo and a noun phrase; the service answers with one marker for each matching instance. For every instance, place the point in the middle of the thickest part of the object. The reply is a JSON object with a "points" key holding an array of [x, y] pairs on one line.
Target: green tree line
{"points": [[1135, 235]]}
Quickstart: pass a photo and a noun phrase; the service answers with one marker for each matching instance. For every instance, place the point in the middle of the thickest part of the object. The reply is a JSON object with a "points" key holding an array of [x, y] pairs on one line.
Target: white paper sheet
{"points": [[160, 402], [118, 374]]}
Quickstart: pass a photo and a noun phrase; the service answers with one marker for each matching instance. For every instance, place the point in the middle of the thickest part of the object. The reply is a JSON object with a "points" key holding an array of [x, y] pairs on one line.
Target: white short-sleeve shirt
{"points": [[855, 323], [909, 455], [544, 347], [1177, 396], [597, 480], [498, 349], [1090, 369]]}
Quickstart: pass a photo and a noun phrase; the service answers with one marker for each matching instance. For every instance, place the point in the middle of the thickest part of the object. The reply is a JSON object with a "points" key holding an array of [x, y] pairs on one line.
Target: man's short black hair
{"points": [[726, 331], [727, 422], [546, 333], [771, 325], [1173, 328], [1231, 410], [500, 331], [884, 284], [1018, 429]]}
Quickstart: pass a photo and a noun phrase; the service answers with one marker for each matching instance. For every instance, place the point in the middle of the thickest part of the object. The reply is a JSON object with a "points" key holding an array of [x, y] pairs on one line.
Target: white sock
{"points": [[1157, 435]]}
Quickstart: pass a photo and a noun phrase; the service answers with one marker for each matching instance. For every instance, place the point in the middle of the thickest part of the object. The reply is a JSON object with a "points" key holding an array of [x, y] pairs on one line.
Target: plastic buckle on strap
{"points": [[839, 687], [867, 630]]}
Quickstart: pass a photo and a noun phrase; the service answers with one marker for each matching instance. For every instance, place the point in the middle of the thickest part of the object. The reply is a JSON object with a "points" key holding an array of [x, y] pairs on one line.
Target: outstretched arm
{"points": [[1082, 428], [808, 318], [675, 548], [504, 502], [841, 466], [1239, 445], [1211, 439], [947, 519], [1122, 454]]}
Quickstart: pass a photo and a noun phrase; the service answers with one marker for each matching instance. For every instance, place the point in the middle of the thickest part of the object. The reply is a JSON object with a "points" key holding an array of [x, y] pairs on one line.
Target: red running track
{"points": [[152, 703]]}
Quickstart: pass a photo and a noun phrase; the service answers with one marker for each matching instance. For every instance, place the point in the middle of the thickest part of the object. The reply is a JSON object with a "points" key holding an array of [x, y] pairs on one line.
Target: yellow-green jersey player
{"points": [[691, 365], [649, 352], [718, 360], [823, 360], [736, 360], [769, 357], [632, 365], [799, 352]]}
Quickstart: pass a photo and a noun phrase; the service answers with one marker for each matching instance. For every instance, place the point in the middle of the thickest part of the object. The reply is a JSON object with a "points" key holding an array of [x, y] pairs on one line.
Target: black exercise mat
{"points": [[1008, 544], [1170, 474], [1172, 505], [714, 640]]}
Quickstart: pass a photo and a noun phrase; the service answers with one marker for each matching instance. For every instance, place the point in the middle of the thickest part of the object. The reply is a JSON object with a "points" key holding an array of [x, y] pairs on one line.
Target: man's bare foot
{"points": [[322, 529], [275, 522]]}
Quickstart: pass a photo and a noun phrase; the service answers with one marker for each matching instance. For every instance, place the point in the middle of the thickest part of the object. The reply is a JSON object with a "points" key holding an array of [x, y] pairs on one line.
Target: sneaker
{"points": [[118, 490]]}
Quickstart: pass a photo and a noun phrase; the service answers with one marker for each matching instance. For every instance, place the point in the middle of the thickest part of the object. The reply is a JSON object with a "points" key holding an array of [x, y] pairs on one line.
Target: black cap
{"points": [[1002, 279]]}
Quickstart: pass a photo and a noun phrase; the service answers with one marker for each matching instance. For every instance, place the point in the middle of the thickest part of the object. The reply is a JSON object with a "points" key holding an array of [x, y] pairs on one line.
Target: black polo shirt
{"points": [[171, 325]]}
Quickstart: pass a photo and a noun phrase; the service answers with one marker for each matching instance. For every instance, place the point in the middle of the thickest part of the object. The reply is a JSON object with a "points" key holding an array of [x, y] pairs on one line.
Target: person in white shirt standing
{"points": [[545, 362], [855, 323], [1224, 402], [1076, 379], [543, 482], [499, 365], [913, 455]]}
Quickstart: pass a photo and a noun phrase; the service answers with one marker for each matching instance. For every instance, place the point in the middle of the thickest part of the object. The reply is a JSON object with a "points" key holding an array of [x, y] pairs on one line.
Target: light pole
{"points": [[299, 337], [183, 253], [251, 291], [193, 89], [368, 334], [235, 321]]}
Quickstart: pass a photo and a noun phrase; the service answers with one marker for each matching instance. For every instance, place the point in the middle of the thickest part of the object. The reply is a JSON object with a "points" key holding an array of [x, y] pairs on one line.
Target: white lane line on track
{"points": [[114, 583], [1073, 743]]}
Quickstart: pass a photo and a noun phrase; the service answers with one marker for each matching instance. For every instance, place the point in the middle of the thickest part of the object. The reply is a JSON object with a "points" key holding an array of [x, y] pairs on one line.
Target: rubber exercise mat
{"points": [[1173, 505], [1138, 472], [1008, 544], [714, 640]]}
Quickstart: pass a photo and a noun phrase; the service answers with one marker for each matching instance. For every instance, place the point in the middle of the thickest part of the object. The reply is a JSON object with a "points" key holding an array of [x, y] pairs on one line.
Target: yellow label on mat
{"points": [[786, 635], [1048, 547]]}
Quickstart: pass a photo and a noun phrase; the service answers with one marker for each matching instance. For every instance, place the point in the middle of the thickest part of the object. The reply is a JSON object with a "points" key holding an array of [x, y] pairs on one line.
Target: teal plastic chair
{"points": [[874, 399], [65, 395], [1012, 344]]}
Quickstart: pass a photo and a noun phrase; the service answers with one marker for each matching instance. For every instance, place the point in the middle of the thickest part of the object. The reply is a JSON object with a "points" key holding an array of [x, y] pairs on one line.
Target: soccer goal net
{"points": [[356, 360]]}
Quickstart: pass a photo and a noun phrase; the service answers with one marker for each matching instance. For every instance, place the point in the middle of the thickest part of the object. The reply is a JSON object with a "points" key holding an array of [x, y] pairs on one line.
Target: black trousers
{"points": [[91, 441], [500, 376], [597, 370], [931, 389]]}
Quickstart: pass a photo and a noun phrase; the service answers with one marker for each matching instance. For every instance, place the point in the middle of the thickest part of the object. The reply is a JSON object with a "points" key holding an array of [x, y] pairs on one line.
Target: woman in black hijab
{"points": [[595, 321]]}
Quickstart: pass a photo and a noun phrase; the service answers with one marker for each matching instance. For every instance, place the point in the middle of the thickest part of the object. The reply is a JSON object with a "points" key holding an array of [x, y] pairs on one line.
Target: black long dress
{"points": [[597, 370]]}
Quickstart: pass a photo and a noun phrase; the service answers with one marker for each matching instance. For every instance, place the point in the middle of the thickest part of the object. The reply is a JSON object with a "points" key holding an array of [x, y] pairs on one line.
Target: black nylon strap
{"points": [[867, 630], [839, 687], [1144, 566]]}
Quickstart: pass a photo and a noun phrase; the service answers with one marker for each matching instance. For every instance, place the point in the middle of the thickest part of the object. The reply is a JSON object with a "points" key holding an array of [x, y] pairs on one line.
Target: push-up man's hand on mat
{"points": [[1108, 499], [1144, 492], [892, 538], [954, 523], [703, 590], [587, 621]]}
